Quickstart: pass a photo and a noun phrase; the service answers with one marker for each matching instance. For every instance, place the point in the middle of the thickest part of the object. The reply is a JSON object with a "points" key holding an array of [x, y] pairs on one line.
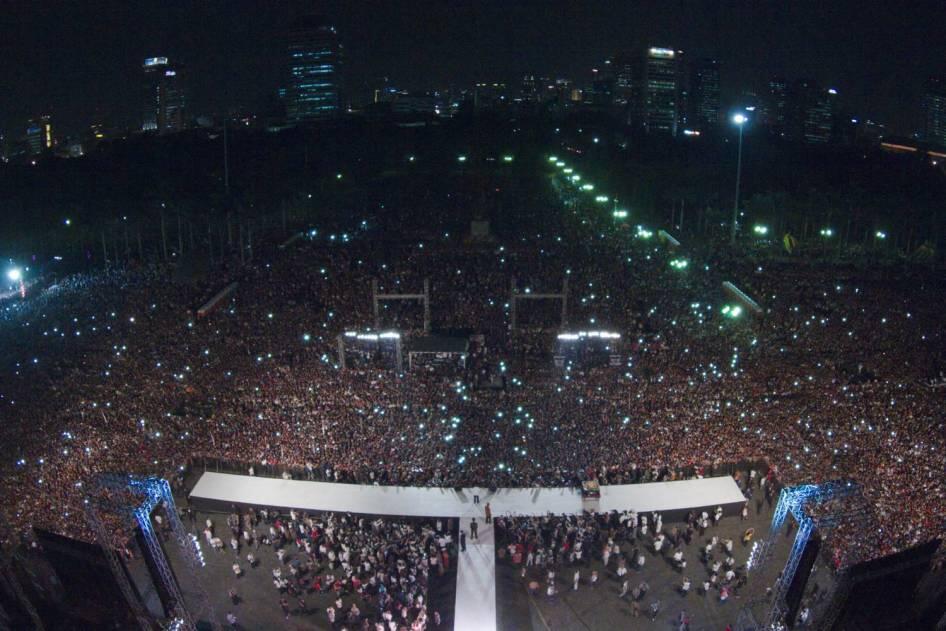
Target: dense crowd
{"points": [[359, 572], [555, 553], [114, 372]]}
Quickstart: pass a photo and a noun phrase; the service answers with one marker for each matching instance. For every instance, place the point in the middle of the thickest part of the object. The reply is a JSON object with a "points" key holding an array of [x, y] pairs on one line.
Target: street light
{"points": [[740, 121]]}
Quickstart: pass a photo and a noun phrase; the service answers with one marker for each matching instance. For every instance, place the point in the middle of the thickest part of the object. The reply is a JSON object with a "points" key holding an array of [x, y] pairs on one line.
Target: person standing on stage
{"points": [[489, 514], [473, 529]]}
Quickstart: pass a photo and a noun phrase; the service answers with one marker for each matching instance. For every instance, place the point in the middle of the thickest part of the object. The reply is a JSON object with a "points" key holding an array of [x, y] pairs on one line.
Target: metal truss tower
{"points": [[794, 500], [154, 492]]}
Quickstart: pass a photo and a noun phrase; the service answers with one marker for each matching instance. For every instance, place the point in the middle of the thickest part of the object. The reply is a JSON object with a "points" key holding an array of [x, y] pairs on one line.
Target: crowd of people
{"points": [[113, 371], [555, 553], [358, 572]]}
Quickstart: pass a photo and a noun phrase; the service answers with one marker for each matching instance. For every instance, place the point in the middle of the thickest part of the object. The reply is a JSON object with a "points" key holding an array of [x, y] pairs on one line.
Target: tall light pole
{"points": [[739, 120]]}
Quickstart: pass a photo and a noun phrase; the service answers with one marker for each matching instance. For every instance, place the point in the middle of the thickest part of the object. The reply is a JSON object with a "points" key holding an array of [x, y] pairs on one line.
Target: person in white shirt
{"points": [[622, 568], [237, 570], [730, 575], [685, 587], [575, 580], [640, 560]]}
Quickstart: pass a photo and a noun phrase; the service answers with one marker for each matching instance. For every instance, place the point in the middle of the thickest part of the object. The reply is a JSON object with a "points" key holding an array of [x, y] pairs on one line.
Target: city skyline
{"points": [[235, 53]]}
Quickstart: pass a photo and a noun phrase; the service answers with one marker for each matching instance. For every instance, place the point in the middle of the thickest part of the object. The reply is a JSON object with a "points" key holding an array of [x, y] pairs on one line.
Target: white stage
{"points": [[223, 489], [671, 496], [476, 569]]}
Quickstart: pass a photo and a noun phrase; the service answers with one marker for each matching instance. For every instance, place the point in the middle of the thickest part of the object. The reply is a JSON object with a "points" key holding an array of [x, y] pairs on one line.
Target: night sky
{"points": [[80, 60]]}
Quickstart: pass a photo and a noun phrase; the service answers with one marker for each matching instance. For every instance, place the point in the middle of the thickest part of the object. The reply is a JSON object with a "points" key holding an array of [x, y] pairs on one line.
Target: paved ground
{"points": [[601, 607], [258, 604]]}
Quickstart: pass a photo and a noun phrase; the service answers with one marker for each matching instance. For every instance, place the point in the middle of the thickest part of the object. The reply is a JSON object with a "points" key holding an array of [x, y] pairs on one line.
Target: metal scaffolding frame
{"points": [[514, 295], [387, 335], [424, 297], [154, 493], [794, 500]]}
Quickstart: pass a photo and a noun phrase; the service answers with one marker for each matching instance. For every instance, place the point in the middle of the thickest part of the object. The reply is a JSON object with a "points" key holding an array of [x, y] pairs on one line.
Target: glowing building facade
{"points": [[313, 90], [164, 96]]}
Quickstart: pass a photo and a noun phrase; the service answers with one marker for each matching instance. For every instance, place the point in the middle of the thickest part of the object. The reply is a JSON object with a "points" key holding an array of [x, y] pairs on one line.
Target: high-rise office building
{"points": [[703, 94], [529, 92], [39, 135], [811, 112], [624, 68], [313, 90], [660, 90], [934, 111], [601, 91], [164, 98], [775, 107]]}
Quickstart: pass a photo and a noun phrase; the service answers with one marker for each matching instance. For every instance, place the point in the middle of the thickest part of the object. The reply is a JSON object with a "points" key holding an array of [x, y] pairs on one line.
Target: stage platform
{"points": [[219, 491], [476, 581]]}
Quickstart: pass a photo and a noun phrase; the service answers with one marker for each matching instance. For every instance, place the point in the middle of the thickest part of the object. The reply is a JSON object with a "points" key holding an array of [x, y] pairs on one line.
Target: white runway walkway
{"points": [[476, 569], [476, 580]]}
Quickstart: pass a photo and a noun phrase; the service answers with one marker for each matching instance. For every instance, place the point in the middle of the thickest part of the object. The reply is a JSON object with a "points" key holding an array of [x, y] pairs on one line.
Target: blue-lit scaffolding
{"points": [[153, 492], [795, 500]]}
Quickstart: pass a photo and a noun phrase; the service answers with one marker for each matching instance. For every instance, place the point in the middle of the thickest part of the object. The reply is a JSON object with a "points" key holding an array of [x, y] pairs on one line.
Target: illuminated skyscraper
{"points": [[313, 85], [775, 112], [811, 112], [660, 92], [164, 99], [39, 135], [704, 94], [934, 111]]}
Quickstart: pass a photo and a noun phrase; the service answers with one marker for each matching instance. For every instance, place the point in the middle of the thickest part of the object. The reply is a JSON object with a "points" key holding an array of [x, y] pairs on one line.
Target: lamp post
{"points": [[739, 120], [16, 275]]}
